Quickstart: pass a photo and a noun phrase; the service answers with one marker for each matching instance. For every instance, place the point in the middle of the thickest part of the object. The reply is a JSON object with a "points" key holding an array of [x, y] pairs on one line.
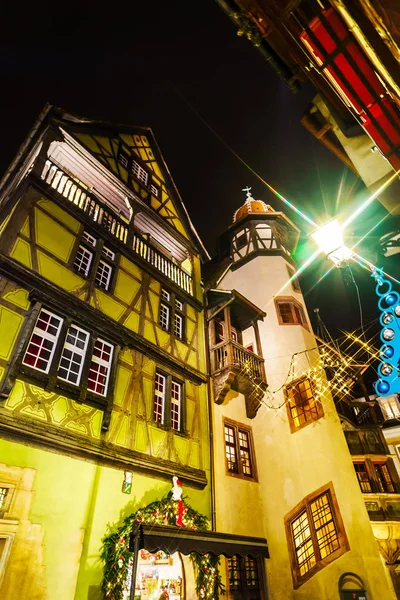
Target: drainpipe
{"points": [[240, 19], [210, 417]]}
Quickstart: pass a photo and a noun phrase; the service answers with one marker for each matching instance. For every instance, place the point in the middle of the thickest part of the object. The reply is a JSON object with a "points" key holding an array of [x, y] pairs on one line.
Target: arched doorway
{"points": [[351, 587]]}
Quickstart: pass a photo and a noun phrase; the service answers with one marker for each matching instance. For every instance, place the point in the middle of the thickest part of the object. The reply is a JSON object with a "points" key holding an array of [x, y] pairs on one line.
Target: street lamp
{"points": [[329, 239]]}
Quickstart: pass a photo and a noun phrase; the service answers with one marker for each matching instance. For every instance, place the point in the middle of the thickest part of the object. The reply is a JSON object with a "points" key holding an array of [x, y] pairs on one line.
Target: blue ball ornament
{"points": [[383, 387], [387, 351], [390, 299]]}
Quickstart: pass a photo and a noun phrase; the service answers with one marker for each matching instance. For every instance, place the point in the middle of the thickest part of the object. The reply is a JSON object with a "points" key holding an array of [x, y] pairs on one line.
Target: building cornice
{"points": [[48, 437]]}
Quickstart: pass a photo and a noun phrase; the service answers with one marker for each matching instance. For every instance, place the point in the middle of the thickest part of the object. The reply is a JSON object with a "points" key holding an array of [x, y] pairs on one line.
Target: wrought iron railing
{"points": [[86, 201], [231, 354]]}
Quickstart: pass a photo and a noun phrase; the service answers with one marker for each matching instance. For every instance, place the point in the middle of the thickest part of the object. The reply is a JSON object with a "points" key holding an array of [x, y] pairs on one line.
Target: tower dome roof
{"points": [[251, 207]]}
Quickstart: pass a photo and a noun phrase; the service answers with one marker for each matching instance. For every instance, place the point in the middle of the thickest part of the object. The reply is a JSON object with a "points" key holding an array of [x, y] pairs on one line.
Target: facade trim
{"points": [[101, 452], [66, 304]]}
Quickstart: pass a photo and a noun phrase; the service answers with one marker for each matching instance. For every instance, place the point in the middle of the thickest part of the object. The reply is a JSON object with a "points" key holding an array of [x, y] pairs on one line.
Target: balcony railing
{"points": [[230, 354], [163, 264], [83, 199], [361, 414]]}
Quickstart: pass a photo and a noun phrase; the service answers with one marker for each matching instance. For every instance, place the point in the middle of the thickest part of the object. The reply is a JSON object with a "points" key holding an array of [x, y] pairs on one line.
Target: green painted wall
{"points": [[76, 503]]}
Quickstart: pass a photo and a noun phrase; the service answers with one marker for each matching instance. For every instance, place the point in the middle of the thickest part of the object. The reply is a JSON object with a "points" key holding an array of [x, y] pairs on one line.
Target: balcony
{"points": [[360, 413], [85, 201], [383, 508], [234, 366], [230, 354]]}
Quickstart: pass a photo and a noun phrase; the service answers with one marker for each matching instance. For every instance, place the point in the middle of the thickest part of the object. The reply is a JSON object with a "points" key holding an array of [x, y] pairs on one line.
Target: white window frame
{"points": [[161, 395], [176, 402], [102, 267], [103, 363], [140, 173], [75, 350], [390, 407], [47, 336], [178, 325], [154, 190], [165, 316], [123, 160], [165, 295], [89, 239], [108, 253], [78, 262]]}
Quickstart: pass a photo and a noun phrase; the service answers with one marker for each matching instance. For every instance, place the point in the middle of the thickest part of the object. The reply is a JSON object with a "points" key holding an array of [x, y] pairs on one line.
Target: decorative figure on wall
{"points": [[177, 492], [127, 483]]}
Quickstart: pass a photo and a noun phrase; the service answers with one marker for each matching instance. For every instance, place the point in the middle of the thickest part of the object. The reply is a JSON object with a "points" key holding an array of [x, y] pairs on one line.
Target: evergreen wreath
{"points": [[117, 558]]}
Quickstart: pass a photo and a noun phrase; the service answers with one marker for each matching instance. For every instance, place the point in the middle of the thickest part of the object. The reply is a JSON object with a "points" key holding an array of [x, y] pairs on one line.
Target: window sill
{"points": [[251, 479], [183, 434], [61, 387]]}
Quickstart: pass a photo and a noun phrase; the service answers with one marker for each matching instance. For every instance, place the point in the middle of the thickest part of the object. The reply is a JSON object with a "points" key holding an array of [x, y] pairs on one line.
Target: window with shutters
{"points": [[315, 534], [239, 450]]}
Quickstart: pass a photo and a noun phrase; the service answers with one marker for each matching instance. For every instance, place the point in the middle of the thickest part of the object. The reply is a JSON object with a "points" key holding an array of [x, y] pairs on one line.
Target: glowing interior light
{"points": [[329, 238]]}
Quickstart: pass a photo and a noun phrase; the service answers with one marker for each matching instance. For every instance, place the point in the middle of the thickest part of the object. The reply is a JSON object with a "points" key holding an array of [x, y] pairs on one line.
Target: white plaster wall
{"points": [[291, 465]]}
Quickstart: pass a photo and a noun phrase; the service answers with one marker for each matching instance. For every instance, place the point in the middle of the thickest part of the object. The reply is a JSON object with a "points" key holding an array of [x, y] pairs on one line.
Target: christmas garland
{"points": [[117, 558]]}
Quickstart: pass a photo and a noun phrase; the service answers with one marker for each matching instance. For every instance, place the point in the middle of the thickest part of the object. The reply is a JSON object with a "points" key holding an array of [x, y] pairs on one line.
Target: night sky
{"points": [[162, 65]]}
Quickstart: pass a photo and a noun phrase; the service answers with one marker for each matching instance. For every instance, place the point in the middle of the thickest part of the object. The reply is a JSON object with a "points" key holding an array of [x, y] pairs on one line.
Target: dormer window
{"points": [[140, 173]]}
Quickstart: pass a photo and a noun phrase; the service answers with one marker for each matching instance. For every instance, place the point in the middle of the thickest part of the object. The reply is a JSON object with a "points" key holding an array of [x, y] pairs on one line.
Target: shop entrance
{"points": [[159, 576]]}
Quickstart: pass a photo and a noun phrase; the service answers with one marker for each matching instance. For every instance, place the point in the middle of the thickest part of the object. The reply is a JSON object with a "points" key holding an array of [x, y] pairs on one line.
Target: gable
{"points": [[135, 159]]}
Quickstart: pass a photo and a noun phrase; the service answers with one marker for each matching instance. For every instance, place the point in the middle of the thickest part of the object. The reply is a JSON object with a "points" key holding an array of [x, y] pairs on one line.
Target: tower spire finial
{"points": [[248, 193]]}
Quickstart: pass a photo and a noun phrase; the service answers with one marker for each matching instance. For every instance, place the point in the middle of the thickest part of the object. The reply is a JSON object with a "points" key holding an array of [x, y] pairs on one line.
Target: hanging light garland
{"points": [[323, 358]]}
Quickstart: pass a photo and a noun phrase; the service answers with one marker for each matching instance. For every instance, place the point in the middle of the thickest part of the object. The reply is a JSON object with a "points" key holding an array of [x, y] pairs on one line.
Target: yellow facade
{"points": [[64, 457]]}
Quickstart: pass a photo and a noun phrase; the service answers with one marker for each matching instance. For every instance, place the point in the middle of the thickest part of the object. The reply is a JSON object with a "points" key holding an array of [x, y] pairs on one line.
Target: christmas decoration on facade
{"points": [[127, 483], [170, 510], [389, 353]]}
